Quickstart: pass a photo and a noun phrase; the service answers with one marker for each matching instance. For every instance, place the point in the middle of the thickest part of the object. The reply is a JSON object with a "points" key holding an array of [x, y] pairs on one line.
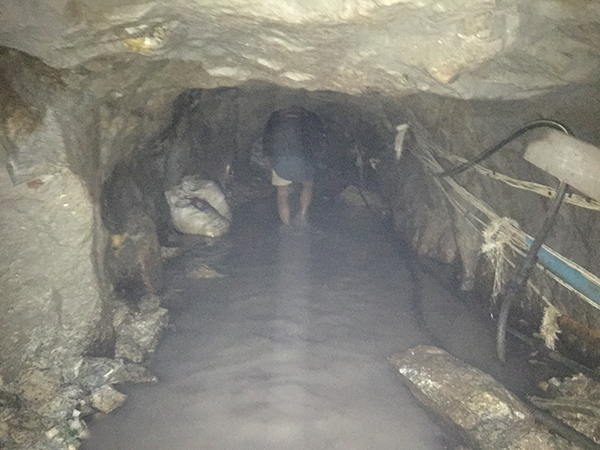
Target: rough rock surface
{"points": [[101, 108], [475, 407], [52, 299], [106, 399], [478, 48], [449, 228], [138, 331], [574, 400]]}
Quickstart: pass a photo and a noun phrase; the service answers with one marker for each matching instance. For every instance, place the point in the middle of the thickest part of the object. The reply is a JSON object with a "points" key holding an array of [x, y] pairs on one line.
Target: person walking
{"points": [[288, 143]]}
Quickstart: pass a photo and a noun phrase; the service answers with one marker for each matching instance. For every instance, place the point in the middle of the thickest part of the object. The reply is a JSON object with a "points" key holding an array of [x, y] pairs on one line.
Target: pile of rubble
{"points": [[48, 407], [576, 401]]}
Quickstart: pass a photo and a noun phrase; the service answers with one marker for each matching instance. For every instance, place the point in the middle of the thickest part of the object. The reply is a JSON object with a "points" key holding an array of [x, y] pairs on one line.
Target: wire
{"points": [[490, 151]]}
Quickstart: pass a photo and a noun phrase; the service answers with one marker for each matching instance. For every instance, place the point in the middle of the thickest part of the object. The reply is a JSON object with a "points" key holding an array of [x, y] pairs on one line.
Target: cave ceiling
{"points": [[459, 48]]}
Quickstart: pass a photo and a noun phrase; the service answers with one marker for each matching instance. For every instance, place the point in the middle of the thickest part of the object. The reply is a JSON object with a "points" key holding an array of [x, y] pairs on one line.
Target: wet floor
{"points": [[289, 350]]}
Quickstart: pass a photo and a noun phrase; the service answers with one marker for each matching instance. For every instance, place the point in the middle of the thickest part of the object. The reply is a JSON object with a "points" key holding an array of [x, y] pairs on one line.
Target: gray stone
{"points": [[51, 296], [126, 347], [470, 403], [106, 399], [138, 334], [96, 372]]}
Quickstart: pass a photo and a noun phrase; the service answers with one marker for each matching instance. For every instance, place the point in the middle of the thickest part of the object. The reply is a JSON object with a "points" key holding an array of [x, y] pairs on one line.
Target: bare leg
{"points": [[283, 204], [305, 198]]}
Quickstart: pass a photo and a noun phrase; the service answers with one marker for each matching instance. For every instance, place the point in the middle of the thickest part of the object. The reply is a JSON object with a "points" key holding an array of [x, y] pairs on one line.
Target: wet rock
{"points": [[96, 372], [575, 401], [196, 270], [134, 261], [39, 387], [472, 406], [126, 347], [106, 399], [138, 331]]}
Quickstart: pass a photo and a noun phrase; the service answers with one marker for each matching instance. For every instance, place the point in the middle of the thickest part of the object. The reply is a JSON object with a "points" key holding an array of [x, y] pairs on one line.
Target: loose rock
{"points": [[472, 406], [138, 332], [107, 399]]}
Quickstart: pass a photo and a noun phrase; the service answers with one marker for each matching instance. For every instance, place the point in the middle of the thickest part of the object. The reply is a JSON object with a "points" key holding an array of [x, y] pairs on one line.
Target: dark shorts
{"points": [[294, 169]]}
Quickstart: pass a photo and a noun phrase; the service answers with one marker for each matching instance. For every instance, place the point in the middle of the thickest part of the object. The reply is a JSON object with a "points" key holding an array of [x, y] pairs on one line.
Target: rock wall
{"points": [[453, 234], [53, 304], [58, 145]]}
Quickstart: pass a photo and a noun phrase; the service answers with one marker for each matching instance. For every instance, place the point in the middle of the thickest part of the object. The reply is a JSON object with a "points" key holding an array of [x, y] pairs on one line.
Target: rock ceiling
{"points": [[460, 48]]}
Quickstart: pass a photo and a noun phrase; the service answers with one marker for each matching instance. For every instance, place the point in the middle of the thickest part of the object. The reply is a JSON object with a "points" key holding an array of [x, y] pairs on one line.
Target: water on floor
{"points": [[288, 351]]}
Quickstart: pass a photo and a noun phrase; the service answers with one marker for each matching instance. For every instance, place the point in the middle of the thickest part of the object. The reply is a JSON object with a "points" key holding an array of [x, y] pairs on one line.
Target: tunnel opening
{"points": [[216, 135]]}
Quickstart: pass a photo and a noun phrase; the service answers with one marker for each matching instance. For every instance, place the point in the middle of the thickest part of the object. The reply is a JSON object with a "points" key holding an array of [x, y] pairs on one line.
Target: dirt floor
{"points": [[288, 350]]}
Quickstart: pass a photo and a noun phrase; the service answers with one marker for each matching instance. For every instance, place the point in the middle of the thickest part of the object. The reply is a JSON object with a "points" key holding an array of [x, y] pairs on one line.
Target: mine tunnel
{"points": [[439, 294]]}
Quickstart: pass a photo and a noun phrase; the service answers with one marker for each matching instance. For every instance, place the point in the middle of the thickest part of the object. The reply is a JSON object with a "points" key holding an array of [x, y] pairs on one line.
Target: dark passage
{"points": [[288, 351]]}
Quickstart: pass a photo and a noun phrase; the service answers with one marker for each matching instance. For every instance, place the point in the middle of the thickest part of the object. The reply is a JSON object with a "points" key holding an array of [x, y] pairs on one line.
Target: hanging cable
{"points": [[517, 287], [490, 151]]}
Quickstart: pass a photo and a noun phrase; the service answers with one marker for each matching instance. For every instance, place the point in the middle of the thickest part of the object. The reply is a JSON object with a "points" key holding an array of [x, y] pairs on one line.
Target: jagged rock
{"points": [[96, 372], [126, 347], [55, 287], [138, 333], [149, 303], [4, 432], [477, 48], [197, 269], [133, 261], [574, 400], [39, 387], [9, 400], [106, 399], [473, 406]]}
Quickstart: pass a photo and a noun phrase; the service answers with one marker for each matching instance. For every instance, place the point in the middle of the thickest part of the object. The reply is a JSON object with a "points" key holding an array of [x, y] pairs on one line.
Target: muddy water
{"points": [[289, 350]]}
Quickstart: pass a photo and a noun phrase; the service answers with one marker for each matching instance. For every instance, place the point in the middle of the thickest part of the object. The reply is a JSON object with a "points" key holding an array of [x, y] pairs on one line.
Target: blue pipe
{"points": [[568, 274]]}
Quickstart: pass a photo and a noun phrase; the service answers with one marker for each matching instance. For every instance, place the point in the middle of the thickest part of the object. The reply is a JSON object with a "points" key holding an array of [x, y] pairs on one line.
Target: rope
{"points": [[490, 151], [496, 237]]}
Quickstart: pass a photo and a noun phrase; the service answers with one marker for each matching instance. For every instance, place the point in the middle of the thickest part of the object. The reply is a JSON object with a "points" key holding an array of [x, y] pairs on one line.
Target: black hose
{"points": [[516, 287], [490, 151], [507, 303]]}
